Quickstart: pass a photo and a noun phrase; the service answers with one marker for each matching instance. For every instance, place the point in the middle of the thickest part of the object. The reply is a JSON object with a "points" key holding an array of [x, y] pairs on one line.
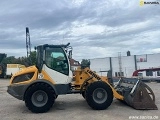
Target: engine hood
{"points": [[26, 70]]}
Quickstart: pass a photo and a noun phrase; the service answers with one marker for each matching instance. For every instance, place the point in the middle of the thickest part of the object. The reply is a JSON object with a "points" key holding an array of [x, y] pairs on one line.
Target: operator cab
{"points": [[54, 58]]}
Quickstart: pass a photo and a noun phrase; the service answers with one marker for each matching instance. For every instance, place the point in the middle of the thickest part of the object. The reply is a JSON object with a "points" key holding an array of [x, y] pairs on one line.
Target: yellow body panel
{"points": [[82, 74], [24, 71], [36, 75], [47, 77]]}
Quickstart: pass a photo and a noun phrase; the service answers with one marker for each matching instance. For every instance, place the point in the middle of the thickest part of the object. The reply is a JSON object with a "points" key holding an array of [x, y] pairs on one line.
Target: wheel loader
{"points": [[40, 85]]}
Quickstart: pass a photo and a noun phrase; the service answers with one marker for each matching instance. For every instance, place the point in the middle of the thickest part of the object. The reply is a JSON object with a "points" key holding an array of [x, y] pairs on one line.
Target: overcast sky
{"points": [[95, 28]]}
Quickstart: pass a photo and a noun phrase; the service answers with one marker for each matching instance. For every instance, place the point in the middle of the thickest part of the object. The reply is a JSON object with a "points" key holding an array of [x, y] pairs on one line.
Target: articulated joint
{"points": [[86, 80]]}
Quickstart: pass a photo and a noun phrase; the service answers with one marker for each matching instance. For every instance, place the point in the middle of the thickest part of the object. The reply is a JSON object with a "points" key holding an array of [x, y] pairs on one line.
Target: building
{"points": [[74, 64], [126, 65]]}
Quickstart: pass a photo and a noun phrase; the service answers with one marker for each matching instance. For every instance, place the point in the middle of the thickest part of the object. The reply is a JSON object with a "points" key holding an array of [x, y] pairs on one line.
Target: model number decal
{"points": [[94, 75]]}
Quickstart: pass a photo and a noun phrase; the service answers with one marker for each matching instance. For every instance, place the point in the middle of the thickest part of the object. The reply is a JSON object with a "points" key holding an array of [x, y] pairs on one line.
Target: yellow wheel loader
{"points": [[40, 85]]}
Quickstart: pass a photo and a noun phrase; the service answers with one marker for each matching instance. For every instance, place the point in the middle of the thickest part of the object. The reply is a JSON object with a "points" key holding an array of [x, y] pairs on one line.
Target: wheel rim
{"points": [[100, 95], [39, 98]]}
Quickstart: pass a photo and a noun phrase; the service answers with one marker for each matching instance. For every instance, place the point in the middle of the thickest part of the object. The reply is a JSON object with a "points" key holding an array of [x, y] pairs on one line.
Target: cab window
{"points": [[56, 59]]}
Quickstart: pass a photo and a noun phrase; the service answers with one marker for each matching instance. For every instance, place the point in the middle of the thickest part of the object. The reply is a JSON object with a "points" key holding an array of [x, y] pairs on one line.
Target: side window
{"points": [[56, 59], [158, 73], [149, 73], [116, 74]]}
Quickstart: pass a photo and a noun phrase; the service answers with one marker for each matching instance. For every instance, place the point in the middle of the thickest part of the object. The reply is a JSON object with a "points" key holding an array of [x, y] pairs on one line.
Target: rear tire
{"points": [[99, 95], [39, 98]]}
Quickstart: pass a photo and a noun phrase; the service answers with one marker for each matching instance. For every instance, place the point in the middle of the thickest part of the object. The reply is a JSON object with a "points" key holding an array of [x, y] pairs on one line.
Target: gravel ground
{"points": [[73, 107]]}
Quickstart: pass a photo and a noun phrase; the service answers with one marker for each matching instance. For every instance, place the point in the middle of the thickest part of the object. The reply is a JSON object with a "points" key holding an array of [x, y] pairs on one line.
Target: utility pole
{"points": [[28, 42], [120, 64], [28, 45]]}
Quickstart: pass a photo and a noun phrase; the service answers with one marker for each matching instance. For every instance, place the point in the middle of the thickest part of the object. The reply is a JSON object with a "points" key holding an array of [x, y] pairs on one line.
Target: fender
{"points": [[59, 89], [40, 81]]}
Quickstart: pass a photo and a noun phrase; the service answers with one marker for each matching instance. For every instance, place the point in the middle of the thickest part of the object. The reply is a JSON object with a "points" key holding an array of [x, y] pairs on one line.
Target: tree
{"points": [[31, 60], [32, 57], [9, 60], [85, 63]]}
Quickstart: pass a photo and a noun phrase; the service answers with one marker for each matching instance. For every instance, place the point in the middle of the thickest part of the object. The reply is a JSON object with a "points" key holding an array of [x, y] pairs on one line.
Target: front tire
{"points": [[99, 95], [39, 98], [84, 94]]}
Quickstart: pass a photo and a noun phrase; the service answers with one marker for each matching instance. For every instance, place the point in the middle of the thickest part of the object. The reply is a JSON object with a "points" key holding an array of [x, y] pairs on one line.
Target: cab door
{"points": [[57, 65]]}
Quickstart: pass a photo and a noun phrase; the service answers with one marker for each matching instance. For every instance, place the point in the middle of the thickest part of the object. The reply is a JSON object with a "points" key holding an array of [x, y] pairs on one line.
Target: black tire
{"points": [[39, 98], [84, 94], [99, 95], [56, 96]]}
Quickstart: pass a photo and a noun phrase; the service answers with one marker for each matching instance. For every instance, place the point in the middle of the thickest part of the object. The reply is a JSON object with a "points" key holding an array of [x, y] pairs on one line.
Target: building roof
{"points": [[74, 62]]}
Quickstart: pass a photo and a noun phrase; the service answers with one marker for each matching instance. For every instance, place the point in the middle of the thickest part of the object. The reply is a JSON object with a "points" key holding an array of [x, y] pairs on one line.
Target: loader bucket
{"points": [[137, 94]]}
